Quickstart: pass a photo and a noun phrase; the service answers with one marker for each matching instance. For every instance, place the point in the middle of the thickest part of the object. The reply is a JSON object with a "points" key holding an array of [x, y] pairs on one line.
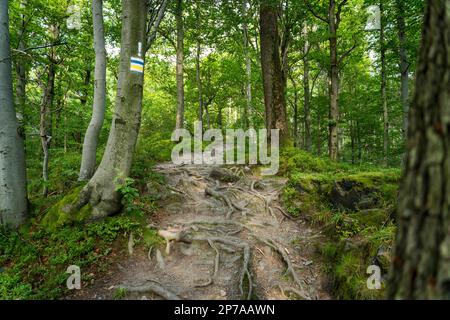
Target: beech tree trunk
{"points": [[333, 145], [421, 261], [197, 66], [22, 71], [45, 122], [273, 83], [88, 158], [101, 191], [180, 65], [383, 88], [306, 94], [404, 65], [13, 193], [248, 114]]}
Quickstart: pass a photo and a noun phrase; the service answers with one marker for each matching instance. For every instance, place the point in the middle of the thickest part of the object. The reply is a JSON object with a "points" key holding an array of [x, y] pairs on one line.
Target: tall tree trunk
{"points": [[421, 262], [101, 191], [45, 122], [333, 145], [13, 193], [197, 66], [180, 65], [273, 82], [306, 93], [404, 65], [248, 71], [384, 89], [88, 158], [22, 71]]}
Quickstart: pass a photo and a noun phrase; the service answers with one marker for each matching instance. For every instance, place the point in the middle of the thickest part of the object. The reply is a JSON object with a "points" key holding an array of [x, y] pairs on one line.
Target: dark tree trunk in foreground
{"points": [[273, 82], [421, 262], [180, 65], [98, 111], [13, 195]]}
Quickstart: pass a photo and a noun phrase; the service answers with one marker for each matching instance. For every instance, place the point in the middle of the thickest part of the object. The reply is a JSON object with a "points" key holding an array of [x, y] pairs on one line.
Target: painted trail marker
{"points": [[137, 65]]}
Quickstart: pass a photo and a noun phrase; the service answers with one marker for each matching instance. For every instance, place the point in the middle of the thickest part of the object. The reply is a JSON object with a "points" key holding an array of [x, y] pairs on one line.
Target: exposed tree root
{"points": [[216, 260], [151, 287], [286, 259], [245, 273]]}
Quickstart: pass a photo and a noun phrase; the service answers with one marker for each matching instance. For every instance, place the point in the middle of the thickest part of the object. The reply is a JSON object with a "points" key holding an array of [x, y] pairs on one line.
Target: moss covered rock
{"points": [[62, 212]]}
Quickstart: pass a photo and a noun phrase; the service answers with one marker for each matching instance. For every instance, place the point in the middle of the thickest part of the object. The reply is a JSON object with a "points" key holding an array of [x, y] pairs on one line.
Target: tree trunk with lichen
{"points": [[421, 262], [101, 192], [273, 81], [180, 65]]}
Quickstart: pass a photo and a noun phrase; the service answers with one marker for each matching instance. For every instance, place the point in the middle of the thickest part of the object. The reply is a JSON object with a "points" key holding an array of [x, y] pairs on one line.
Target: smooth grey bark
{"points": [[13, 194], [180, 65], [88, 158], [404, 65], [421, 260], [383, 87]]}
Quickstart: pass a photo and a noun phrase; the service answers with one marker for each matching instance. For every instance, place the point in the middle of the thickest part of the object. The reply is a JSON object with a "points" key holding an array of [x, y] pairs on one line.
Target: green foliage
{"points": [[34, 261], [354, 237]]}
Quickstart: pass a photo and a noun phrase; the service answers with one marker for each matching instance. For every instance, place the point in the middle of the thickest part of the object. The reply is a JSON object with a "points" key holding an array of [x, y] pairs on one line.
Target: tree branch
{"points": [[310, 8], [345, 55], [153, 27]]}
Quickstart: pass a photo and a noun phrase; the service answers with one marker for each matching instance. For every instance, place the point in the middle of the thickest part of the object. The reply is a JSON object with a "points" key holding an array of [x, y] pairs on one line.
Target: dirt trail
{"points": [[232, 241]]}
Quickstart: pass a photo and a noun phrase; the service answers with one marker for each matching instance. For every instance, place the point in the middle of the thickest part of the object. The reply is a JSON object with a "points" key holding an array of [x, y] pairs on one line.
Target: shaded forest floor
{"points": [[231, 239]]}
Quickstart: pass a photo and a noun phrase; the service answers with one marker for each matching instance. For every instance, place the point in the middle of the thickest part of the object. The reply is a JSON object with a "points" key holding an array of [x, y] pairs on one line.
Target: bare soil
{"points": [[229, 240]]}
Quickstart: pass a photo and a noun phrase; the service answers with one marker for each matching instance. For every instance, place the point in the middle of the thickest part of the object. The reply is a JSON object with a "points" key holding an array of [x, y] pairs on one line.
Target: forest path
{"points": [[230, 240]]}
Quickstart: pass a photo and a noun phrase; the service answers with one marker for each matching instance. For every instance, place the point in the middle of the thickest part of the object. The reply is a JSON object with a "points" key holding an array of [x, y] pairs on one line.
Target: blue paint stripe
{"points": [[140, 62]]}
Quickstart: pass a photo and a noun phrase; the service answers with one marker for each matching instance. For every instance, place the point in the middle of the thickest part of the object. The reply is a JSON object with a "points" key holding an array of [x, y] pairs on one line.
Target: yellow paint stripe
{"points": [[136, 68]]}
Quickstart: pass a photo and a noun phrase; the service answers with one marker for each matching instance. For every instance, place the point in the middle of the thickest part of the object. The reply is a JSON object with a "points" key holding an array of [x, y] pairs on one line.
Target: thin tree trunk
{"points": [[404, 65], [46, 120], [13, 193], [273, 82], [197, 67], [98, 111], [22, 72], [306, 93], [334, 85], [384, 89], [180, 65], [421, 261], [248, 71]]}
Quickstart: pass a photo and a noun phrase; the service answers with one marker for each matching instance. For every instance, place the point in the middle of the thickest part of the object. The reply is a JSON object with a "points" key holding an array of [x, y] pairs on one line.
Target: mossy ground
{"points": [[355, 239], [34, 259]]}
